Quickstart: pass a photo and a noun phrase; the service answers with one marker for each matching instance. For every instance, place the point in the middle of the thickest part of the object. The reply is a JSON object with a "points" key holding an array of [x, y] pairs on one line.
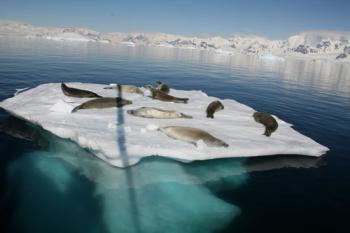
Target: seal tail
{"points": [[76, 109], [182, 100]]}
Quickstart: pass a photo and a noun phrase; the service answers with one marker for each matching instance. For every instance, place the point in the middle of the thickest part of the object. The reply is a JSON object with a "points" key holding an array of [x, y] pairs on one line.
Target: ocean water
{"points": [[51, 185]]}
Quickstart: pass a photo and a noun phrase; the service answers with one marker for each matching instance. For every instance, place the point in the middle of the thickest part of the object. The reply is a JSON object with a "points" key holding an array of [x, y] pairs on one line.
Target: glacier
{"points": [[123, 140], [318, 45]]}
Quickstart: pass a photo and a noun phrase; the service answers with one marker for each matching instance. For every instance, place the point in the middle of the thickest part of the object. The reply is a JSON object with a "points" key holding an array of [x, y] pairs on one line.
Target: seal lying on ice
{"points": [[192, 135], [158, 113], [125, 88], [104, 102], [159, 95], [79, 93]]}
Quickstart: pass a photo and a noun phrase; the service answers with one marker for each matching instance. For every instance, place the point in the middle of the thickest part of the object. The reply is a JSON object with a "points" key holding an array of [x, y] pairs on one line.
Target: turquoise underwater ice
{"points": [[62, 188]]}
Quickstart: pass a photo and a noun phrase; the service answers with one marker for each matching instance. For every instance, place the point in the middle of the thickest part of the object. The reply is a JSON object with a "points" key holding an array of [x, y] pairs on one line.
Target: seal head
{"points": [[162, 87]]}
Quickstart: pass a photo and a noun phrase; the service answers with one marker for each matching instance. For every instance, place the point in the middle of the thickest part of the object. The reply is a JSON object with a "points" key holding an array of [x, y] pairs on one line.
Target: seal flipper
{"points": [[186, 116], [267, 132], [183, 100], [76, 108], [210, 115]]}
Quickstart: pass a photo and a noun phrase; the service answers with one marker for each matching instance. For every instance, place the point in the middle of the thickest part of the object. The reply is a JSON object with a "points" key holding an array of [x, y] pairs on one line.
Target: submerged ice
{"points": [[122, 139], [79, 193]]}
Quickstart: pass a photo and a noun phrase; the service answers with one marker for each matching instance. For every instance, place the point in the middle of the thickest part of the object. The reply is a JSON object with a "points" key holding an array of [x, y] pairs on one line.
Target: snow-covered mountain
{"points": [[312, 44]]}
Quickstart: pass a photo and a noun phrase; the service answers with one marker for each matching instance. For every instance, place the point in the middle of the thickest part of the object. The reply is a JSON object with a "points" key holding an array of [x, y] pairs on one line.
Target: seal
{"points": [[104, 102], [192, 135], [157, 113], [79, 93], [125, 88], [213, 107], [159, 95], [268, 121], [162, 87]]}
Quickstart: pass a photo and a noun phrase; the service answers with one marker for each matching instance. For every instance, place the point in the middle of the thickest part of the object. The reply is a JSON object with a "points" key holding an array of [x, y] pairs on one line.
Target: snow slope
{"points": [[122, 140]]}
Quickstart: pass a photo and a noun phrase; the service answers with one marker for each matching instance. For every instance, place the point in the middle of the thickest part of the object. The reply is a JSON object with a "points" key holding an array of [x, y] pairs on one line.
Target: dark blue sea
{"points": [[50, 185]]}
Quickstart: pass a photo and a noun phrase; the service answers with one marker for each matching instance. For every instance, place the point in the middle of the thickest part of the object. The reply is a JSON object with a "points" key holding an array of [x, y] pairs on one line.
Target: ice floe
{"points": [[122, 139]]}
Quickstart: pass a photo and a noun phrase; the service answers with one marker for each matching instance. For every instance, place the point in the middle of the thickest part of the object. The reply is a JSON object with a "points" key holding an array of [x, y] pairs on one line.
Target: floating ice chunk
{"points": [[128, 43], [19, 90], [140, 137], [270, 57], [152, 127], [62, 107], [111, 125]]}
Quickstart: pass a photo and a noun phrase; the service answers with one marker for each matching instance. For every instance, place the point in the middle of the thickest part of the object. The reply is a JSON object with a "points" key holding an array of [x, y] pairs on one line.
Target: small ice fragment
{"points": [[62, 107], [147, 93], [201, 145], [113, 84], [143, 130], [19, 90], [152, 127], [128, 129], [111, 125]]}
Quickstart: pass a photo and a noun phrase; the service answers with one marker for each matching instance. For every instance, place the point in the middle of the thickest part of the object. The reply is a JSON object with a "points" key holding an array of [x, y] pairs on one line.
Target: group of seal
{"points": [[161, 92], [98, 102]]}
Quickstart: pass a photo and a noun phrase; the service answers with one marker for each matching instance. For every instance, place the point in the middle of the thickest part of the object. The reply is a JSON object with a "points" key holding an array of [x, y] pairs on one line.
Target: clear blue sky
{"points": [[274, 19]]}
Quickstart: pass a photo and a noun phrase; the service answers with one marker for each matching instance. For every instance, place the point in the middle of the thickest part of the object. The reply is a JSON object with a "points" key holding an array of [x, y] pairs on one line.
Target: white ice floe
{"points": [[128, 43], [122, 139]]}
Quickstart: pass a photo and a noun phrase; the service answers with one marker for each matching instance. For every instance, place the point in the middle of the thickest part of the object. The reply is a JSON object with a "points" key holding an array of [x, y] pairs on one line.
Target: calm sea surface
{"points": [[51, 185]]}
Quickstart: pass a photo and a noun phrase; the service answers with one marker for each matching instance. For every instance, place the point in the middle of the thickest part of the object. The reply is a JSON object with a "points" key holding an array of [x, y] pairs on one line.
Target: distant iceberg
{"points": [[68, 36], [270, 57], [123, 140]]}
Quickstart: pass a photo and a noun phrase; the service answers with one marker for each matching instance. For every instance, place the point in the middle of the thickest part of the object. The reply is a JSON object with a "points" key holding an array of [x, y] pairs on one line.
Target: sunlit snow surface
{"points": [[122, 140]]}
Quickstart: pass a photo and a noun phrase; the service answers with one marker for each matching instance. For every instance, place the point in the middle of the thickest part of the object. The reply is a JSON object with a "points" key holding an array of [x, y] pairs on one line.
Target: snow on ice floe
{"points": [[122, 140]]}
